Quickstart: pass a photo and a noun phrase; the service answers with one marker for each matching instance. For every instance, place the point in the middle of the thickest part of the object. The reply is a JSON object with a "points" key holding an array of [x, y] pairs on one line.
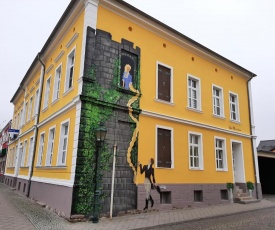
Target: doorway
{"points": [[237, 162]]}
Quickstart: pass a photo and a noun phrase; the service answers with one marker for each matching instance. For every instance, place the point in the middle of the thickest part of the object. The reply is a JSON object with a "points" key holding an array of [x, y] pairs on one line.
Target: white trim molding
{"points": [[72, 40], [66, 183], [59, 56], [49, 69], [193, 123]]}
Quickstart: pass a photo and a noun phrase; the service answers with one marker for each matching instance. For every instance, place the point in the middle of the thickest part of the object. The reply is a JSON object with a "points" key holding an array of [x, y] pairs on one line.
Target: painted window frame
{"points": [[61, 142], [25, 112], [225, 166], [36, 102], [41, 147], [200, 150], [50, 146], [68, 68], [31, 146], [237, 107], [171, 82], [57, 82], [21, 117], [30, 109], [24, 150], [221, 100], [198, 91], [46, 101], [172, 146]]}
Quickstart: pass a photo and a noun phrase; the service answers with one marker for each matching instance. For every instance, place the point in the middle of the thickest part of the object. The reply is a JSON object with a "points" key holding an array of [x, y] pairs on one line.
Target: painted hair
{"points": [[152, 161], [127, 68]]}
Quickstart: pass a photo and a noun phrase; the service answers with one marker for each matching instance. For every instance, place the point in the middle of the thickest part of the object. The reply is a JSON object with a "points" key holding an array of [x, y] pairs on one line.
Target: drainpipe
{"points": [[253, 137], [36, 122]]}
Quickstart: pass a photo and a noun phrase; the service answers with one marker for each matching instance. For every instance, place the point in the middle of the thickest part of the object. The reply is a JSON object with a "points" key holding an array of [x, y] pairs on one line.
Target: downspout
{"points": [[252, 134], [36, 122]]}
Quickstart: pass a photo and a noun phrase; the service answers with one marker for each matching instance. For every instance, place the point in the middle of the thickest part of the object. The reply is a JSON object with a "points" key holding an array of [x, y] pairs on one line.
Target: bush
{"points": [[249, 185]]}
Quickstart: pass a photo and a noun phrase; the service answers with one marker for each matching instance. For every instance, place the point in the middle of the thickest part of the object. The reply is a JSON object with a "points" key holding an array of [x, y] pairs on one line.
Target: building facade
{"points": [[4, 140], [160, 95]]}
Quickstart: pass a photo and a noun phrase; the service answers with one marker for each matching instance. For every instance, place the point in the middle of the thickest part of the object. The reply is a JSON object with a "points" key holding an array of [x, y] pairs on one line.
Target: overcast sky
{"points": [[240, 30]]}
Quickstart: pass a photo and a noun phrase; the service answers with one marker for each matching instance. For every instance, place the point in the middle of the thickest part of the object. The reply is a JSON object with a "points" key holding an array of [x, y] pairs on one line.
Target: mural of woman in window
{"points": [[127, 77]]}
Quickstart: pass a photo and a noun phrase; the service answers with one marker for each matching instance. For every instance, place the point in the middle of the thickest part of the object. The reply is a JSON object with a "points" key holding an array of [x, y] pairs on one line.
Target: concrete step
{"points": [[249, 201], [237, 199]]}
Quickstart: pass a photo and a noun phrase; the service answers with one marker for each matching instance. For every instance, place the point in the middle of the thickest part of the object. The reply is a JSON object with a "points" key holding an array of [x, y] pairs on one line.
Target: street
{"points": [[254, 220]]}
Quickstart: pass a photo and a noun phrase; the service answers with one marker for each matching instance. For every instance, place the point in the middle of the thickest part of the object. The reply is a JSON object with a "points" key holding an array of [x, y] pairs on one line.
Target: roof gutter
{"points": [[253, 137], [36, 122]]}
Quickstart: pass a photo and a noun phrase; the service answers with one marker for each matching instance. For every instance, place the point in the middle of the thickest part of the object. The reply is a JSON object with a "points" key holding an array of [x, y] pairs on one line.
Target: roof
{"points": [[74, 2], [266, 146]]}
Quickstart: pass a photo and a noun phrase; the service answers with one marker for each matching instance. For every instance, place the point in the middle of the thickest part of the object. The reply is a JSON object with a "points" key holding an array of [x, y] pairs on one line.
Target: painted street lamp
{"points": [[100, 137]]}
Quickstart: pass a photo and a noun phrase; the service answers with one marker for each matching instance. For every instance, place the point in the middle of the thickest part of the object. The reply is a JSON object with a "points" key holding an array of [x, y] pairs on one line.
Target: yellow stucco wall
{"points": [[53, 171], [180, 59], [65, 97]]}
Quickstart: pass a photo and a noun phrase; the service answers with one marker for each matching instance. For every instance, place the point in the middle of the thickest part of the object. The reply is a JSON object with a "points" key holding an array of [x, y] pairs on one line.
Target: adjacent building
{"points": [[4, 140], [160, 95], [266, 159]]}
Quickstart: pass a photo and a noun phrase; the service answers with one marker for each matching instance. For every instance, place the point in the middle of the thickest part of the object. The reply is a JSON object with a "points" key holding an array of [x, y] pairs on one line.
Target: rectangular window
{"points": [[50, 147], [217, 101], [63, 143], [47, 93], [164, 83], [30, 152], [41, 149], [195, 151], [21, 117], [30, 110], [56, 90], [220, 154], [18, 121], [70, 70], [164, 148], [36, 102], [24, 148], [234, 107], [194, 97], [15, 156], [25, 112]]}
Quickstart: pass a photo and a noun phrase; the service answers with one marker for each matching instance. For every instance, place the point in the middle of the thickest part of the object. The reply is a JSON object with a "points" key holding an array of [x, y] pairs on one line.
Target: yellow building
{"points": [[160, 95]]}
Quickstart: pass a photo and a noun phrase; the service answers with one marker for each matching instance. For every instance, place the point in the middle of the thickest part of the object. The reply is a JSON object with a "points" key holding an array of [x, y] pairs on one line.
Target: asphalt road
{"points": [[255, 220]]}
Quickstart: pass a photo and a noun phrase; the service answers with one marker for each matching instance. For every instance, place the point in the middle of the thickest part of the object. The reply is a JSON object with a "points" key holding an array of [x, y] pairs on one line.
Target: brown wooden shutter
{"points": [[164, 148], [164, 83]]}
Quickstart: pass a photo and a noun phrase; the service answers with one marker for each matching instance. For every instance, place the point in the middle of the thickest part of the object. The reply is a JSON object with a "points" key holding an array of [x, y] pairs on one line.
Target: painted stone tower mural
{"points": [[110, 94]]}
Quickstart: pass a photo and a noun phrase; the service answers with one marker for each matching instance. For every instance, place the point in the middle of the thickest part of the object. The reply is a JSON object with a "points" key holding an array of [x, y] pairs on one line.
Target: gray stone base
{"points": [[57, 198], [185, 195], [21, 186], [10, 181]]}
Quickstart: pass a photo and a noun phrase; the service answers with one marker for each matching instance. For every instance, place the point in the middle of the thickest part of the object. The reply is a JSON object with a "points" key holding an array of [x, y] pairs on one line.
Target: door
{"points": [[237, 162]]}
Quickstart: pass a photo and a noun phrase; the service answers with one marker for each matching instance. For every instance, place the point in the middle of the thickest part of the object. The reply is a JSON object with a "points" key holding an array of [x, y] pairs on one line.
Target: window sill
{"points": [[55, 101], [194, 110], [164, 168], [45, 109], [164, 102], [235, 121], [24, 167], [12, 167], [217, 116], [68, 91], [52, 167], [196, 169], [221, 170]]}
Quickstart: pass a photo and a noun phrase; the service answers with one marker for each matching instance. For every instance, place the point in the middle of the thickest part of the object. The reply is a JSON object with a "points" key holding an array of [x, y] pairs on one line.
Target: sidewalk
{"points": [[44, 219]]}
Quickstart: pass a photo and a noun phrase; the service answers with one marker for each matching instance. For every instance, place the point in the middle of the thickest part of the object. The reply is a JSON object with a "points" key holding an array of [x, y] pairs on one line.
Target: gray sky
{"points": [[240, 30]]}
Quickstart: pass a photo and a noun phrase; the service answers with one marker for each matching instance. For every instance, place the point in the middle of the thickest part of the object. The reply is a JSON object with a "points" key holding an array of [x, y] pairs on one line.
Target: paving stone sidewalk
{"points": [[13, 205]]}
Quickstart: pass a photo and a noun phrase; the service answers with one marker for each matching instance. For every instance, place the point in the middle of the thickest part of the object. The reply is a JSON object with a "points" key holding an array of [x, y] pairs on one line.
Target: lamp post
{"points": [[100, 137]]}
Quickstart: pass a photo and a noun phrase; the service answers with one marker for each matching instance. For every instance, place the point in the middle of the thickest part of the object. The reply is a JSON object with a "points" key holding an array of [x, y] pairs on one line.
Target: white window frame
{"points": [[225, 167], [198, 91], [57, 83], [36, 102], [220, 98], [25, 112], [200, 150], [50, 146], [172, 146], [21, 117], [30, 109], [61, 142], [41, 149], [31, 146], [24, 149], [15, 156], [237, 107], [68, 68], [171, 83], [47, 93]]}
